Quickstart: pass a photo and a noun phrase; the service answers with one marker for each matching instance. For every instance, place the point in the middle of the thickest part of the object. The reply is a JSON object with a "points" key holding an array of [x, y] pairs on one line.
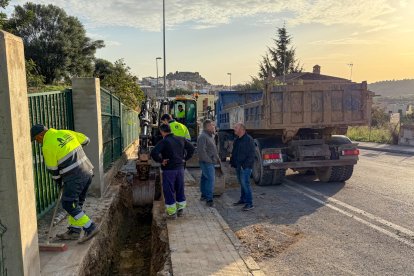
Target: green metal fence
{"points": [[54, 110], [111, 127], [120, 127], [130, 126], [3, 269]]}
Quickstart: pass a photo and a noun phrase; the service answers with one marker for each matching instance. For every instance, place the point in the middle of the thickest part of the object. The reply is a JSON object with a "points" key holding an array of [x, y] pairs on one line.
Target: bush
{"points": [[378, 135]]}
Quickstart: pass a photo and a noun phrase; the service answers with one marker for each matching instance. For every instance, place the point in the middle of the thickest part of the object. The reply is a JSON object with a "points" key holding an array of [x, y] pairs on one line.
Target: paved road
{"points": [[304, 227]]}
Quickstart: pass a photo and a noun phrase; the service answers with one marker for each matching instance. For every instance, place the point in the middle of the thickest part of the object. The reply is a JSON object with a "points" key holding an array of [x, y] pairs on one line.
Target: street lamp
{"points": [[230, 79], [156, 62], [163, 31], [350, 67]]}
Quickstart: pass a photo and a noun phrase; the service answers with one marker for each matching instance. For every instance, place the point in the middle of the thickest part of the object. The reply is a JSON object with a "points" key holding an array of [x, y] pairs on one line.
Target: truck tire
{"points": [[347, 173], [329, 174], [278, 176], [335, 174], [263, 176]]}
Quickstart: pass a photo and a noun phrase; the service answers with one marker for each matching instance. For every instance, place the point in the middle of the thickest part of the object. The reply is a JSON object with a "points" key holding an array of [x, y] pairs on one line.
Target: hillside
{"points": [[188, 76], [393, 87]]}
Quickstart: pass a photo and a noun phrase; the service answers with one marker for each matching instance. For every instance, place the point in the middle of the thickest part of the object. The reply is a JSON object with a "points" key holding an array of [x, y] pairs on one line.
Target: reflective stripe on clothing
{"points": [[82, 221], [71, 167], [181, 205]]}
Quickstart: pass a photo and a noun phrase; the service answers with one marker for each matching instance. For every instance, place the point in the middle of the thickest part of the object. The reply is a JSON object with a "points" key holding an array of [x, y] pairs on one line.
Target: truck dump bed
{"points": [[293, 107]]}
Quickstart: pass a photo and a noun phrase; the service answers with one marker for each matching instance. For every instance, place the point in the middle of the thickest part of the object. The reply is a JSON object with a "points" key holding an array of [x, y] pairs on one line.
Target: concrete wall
{"points": [[17, 196], [87, 119], [406, 135]]}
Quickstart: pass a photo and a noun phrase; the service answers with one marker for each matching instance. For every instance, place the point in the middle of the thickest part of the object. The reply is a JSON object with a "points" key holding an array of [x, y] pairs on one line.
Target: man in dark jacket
{"points": [[242, 158], [172, 152]]}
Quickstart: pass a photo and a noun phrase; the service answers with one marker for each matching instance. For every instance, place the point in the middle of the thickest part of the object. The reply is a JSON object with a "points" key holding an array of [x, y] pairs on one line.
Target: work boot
{"points": [[203, 198], [89, 233], [71, 234], [240, 202], [248, 207], [172, 216], [210, 203], [180, 213]]}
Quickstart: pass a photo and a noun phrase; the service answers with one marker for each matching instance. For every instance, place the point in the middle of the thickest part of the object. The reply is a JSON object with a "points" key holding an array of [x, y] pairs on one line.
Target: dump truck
{"points": [[300, 125]]}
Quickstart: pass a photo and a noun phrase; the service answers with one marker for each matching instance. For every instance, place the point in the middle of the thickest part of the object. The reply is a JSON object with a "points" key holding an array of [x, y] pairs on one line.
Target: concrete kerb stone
{"points": [[397, 151], [251, 264]]}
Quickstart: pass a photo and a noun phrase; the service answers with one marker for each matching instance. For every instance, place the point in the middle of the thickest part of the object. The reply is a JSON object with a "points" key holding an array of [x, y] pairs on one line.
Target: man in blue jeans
{"points": [[242, 158], [208, 157]]}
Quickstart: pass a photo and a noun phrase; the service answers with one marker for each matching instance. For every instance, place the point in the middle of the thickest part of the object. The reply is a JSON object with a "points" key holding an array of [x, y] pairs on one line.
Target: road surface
{"points": [[303, 227]]}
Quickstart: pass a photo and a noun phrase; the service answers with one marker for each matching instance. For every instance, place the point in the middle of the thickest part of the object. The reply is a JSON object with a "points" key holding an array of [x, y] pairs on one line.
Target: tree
{"points": [[35, 81], [255, 84], [379, 117], [282, 58], [266, 67], [3, 16], [118, 78], [103, 68], [56, 42]]}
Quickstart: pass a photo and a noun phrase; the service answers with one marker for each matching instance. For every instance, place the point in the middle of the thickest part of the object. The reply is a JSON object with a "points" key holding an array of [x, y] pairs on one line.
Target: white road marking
{"points": [[326, 203]]}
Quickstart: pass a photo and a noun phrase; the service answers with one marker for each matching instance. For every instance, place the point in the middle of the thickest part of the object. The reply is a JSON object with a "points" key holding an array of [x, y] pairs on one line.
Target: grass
{"points": [[378, 135]]}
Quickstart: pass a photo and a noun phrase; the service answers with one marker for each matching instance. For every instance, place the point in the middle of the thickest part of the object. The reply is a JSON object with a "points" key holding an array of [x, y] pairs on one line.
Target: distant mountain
{"points": [[188, 76], [393, 88]]}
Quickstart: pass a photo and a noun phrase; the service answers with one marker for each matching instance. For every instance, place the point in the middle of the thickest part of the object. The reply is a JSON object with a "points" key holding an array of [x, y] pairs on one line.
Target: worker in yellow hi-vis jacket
{"points": [[67, 163], [178, 129]]}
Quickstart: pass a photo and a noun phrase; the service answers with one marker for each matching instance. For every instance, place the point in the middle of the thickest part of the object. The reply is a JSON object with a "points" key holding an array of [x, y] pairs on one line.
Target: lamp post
{"points": [[230, 79], [156, 62], [163, 30], [350, 67]]}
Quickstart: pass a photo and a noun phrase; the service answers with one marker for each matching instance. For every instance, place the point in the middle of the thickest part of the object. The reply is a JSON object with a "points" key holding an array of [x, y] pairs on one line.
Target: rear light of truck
{"points": [[269, 158], [350, 152]]}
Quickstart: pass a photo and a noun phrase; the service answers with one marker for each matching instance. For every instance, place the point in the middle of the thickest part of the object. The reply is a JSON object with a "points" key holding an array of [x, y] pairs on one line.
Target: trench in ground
{"points": [[133, 241]]}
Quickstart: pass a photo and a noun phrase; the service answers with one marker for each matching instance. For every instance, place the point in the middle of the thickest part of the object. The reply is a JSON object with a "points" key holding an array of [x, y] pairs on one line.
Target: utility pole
{"points": [[158, 87], [165, 64]]}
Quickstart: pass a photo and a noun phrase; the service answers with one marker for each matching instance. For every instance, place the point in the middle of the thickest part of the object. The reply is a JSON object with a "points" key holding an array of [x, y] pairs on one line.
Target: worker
{"points": [[242, 159], [178, 129], [180, 114], [208, 158], [172, 152], [71, 169]]}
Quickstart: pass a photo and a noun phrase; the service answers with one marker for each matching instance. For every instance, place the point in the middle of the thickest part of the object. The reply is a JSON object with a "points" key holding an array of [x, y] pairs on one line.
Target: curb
{"points": [[387, 150]]}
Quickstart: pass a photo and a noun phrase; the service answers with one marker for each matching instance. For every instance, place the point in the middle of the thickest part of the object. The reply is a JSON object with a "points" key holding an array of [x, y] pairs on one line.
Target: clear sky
{"points": [[214, 37]]}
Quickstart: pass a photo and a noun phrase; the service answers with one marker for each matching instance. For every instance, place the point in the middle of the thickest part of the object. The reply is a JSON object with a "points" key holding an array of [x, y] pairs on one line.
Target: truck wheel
{"points": [[347, 172], [278, 176], [262, 176], [330, 174]]}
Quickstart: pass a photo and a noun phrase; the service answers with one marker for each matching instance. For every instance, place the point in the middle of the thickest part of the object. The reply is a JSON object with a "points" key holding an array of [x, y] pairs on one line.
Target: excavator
{"points": [[147, 183]]}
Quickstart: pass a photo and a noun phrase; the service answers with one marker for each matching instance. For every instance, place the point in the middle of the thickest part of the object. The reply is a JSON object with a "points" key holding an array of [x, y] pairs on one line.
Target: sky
{"points": [[216, 37]]}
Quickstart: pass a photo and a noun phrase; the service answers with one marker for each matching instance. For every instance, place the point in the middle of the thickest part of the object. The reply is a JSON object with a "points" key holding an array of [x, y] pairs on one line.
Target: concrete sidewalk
{"points": [[386, 148], [202, 243]]}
